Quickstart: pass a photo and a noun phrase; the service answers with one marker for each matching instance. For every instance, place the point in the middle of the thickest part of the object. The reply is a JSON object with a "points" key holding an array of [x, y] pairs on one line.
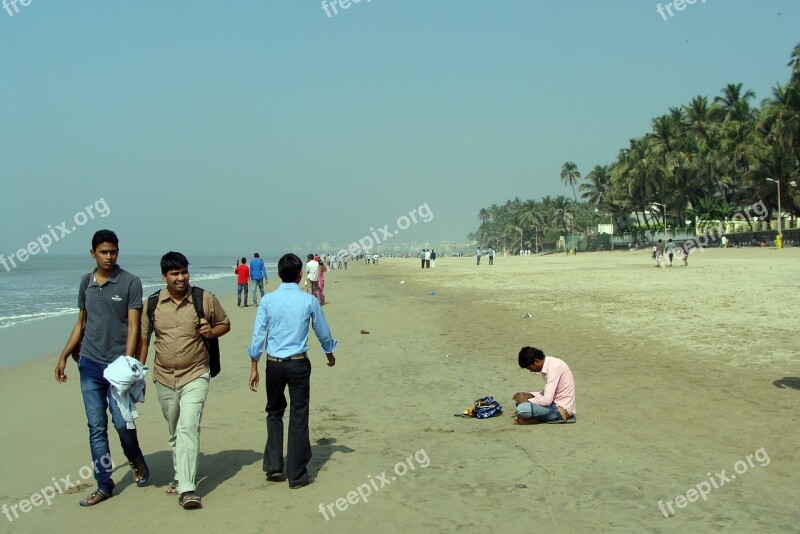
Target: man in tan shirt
{"points": [[181, 370]]}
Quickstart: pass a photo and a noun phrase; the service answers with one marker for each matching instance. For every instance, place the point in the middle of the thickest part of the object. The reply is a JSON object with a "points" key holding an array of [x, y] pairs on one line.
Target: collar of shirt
{"points": [[112, 279]]}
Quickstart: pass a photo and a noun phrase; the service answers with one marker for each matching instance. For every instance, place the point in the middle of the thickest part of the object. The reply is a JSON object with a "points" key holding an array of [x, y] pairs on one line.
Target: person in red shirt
{"points": [[243, 279]]}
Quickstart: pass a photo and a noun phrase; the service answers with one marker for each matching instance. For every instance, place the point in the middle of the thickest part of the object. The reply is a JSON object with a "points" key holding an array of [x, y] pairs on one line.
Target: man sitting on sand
{"points": [[556, 402]]}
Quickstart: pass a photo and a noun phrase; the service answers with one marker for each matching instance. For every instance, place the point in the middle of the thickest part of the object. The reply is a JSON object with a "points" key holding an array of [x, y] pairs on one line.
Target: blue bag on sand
{"points": [[483, 408]]}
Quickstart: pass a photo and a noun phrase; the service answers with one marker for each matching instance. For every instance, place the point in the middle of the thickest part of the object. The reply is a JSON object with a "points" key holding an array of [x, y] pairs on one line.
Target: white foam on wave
{"points": [[11, 320]]}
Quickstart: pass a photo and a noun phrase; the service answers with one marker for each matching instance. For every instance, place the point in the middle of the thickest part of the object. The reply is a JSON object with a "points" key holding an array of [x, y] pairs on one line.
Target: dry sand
{"points": [[680, 372]]}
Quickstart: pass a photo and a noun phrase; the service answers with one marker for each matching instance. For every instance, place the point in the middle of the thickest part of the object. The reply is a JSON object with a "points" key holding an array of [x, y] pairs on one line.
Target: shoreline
{"points": [[38, 339]]}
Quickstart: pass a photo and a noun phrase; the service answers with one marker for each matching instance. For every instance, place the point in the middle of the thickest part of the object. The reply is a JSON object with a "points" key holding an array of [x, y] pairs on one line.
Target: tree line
{"points": [[701, 161]]}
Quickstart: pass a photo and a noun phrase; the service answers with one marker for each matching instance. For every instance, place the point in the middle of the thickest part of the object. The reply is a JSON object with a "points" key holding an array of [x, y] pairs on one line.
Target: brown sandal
{"points": [[96, 497], [190, 501]]}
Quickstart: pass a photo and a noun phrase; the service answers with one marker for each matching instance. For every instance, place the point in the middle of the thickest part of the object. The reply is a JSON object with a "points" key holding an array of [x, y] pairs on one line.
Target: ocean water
{"points": [[47, 286]]}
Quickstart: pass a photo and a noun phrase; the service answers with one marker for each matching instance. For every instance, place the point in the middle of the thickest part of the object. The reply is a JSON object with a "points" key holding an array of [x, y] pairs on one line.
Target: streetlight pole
{"points": [[780, 215]]}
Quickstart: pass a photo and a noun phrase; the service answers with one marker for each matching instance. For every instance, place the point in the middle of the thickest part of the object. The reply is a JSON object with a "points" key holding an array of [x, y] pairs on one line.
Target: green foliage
{"points": [[701, 161]]}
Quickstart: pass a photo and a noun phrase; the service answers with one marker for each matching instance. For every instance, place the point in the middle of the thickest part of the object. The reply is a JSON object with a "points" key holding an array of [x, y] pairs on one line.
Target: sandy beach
{"points": [[682, 374]]}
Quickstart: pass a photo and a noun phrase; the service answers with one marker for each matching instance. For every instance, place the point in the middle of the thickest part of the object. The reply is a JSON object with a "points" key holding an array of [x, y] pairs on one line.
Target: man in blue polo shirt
{"points": [[282, 321], [110, 304], [258, 274]]}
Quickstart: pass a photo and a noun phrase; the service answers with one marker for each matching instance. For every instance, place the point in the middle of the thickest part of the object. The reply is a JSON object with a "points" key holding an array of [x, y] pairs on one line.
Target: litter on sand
{"points": [[527, 315]]}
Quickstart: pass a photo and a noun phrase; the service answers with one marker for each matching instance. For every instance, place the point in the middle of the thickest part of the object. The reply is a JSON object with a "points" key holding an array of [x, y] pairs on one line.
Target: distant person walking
{"points": [[110, 309], [258, 274], [685, 250], [243, 281], [660, 253], [433, 259], [670, 251], [427, 259], [312, 275], [490, 253], [282, 321], [478, 255], [321, 281], [422, 257]]}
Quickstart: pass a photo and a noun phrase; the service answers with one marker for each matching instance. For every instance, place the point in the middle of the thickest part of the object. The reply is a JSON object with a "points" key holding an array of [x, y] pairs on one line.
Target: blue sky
{"points": [[229, 127]]}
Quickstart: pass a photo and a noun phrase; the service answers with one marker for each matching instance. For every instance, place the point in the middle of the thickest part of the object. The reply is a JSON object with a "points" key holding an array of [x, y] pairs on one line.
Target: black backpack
{"points": [[212, 345]]}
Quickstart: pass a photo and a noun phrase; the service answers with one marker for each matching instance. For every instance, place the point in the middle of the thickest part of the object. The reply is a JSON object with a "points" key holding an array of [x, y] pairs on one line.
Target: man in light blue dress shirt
{"points": [[282, 323]]}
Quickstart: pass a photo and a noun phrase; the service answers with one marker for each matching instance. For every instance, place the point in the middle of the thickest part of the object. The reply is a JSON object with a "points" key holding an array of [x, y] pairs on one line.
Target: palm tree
{"points": [[570, 176], [733, 103], [598, 182]]}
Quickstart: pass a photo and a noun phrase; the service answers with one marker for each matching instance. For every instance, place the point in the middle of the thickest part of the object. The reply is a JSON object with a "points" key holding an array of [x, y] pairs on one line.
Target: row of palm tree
{"points": [[530, 224], [702, 161]]}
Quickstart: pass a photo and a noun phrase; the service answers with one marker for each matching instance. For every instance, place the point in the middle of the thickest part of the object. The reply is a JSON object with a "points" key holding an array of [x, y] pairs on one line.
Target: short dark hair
{"points": [[172, 261], [104, 236], [528, 354], [244, 260], [289, 266], [310, 257], [255, 255]]}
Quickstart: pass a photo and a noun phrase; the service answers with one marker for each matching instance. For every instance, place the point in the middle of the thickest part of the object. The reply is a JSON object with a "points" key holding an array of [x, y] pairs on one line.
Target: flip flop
{"points": [[96, 497], [171, 488], [190, 501]]}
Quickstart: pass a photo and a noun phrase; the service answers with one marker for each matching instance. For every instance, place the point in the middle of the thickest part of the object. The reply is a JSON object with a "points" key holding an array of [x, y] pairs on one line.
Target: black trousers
{"points": [[297, 375]]}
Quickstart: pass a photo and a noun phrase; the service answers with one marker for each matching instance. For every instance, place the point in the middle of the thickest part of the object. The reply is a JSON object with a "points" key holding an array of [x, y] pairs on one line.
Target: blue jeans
{"points": [[96, 391], [241, 288], [257, 284], [545, 414]]}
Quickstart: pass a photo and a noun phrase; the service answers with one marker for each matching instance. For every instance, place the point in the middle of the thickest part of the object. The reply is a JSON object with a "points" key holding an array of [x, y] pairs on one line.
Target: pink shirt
{"points": [[559, 386]]}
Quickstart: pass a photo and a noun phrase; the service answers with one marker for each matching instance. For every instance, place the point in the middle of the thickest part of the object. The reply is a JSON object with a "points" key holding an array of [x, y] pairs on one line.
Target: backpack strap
{"points": [[152, 302], [197, 300], [76, 352], [86, 281], [212, 345]]}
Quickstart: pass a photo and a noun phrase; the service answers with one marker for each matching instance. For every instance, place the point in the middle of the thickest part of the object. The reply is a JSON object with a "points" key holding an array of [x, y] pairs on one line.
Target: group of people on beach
{"points": [[427, 258], [489, 254], [111, 338], [110, 343], [662, 250], [256, 274], [315, 277]]}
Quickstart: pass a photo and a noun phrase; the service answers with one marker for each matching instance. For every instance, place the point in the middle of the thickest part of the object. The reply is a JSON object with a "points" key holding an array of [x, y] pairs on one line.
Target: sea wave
{"points": [[11, 320]]}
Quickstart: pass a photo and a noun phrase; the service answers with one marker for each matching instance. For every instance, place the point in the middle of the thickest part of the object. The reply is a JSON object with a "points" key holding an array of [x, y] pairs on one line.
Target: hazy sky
{"points": [[228, 127]]}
